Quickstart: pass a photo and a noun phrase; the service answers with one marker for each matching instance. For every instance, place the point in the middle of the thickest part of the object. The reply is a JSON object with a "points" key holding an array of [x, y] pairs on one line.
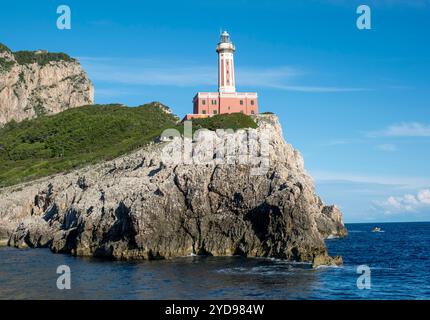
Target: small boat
{"points": [[376, 229]]}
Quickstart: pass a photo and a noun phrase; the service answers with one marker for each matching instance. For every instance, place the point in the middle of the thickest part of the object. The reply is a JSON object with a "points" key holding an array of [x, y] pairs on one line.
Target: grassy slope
{"points": [[76, 137]]}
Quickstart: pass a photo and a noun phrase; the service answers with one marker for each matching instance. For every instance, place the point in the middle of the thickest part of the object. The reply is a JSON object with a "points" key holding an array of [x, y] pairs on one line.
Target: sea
{"points": [[391, 264]]}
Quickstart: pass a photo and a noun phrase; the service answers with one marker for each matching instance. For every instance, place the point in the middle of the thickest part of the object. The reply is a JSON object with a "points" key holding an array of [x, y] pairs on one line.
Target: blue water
{"points": [[399, 260]]}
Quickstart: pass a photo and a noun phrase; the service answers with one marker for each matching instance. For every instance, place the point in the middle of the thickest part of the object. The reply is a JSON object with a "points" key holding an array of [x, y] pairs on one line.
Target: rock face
{"points": [[142, 206], [37, 83], [330, 223]]}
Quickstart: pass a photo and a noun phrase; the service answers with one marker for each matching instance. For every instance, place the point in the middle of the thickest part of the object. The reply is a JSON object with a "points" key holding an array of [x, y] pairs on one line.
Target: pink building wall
{"points": [[213, 103], [245, 105]]}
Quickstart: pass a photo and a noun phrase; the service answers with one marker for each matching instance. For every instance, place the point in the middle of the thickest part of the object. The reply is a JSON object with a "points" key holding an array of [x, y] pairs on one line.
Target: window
{"points": [[252, 102], [204, 111], [241, 102], [214, 112], [213, 101], [203, 102], [252, 112]]}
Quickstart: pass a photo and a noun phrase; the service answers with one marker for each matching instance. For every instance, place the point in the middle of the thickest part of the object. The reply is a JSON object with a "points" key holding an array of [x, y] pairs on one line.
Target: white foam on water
{"points": [[324, 266], [260, 270], [282, 261]]}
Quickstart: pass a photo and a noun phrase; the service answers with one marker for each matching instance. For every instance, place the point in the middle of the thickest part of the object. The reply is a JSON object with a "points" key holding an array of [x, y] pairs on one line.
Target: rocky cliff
{"points": [[37, 83], [143, 206]]}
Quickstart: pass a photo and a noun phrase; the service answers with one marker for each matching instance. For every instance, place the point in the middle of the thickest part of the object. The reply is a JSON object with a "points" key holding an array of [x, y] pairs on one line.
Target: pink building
{"points": [[226, 100]]}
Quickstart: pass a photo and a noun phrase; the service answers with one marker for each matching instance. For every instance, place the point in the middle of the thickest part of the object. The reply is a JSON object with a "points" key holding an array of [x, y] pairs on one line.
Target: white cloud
{"points": [[336, 142], [339, 142], [361, 201], [398, 181], [407, 129], [387, 147], [424, 196], [406, 203], [182, 74]]}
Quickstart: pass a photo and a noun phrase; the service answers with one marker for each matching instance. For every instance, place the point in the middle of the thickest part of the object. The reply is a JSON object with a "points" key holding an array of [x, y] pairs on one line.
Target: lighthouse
{"points": [[225, 50], [227, 99]]}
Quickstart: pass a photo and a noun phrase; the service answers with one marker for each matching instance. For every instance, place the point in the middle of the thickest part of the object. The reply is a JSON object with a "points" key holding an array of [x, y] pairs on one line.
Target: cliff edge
{"points": [[34, 83], [143, 206]]}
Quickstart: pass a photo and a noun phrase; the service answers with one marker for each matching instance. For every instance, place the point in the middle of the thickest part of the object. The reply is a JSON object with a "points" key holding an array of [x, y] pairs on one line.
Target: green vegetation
{"points": [[21, 77], [80, 136], [4, 48], [75, 138], [6, 65], [41, 57], [39, 109], [225, 121], [28, 57]]}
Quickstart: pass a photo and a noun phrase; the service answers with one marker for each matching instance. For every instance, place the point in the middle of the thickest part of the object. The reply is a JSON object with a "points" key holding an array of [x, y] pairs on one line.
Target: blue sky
{"points": [[355, 103]]}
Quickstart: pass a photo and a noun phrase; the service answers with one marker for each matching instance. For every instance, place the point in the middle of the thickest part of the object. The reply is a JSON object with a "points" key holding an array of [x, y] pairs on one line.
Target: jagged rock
{"points": [[330, 222], [4, 236], [37, 83], [325, 260], [142, 206]]}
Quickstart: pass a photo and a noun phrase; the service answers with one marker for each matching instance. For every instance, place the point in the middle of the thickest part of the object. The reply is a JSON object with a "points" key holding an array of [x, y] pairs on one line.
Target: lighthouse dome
{"points": [[225, 37]]}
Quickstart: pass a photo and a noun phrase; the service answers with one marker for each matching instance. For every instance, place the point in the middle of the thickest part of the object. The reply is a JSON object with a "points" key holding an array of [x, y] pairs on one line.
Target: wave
{"points": [[281, 261], [261, 270], [324, 266]]}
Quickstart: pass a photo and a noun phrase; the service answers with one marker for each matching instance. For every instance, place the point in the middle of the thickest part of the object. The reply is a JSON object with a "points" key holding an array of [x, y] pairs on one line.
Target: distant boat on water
{"points": [[376, 229]]}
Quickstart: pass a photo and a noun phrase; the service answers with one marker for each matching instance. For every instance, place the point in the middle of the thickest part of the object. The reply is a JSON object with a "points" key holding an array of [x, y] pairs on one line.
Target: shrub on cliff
{"points": [[6, 65], [40, 57], [4, 48], [233, 121]]}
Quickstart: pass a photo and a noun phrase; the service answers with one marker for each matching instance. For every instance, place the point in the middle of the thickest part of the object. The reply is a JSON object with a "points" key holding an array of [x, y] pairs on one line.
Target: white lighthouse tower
{"points": [[225, 50]]}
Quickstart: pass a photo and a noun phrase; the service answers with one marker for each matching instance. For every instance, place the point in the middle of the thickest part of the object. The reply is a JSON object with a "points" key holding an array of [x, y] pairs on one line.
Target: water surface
{"points": [[399, 259]]}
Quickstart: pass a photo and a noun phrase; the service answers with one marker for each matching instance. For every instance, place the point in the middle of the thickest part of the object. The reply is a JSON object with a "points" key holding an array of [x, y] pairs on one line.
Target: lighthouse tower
{"points": [[225, 50], [227, 99]]}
